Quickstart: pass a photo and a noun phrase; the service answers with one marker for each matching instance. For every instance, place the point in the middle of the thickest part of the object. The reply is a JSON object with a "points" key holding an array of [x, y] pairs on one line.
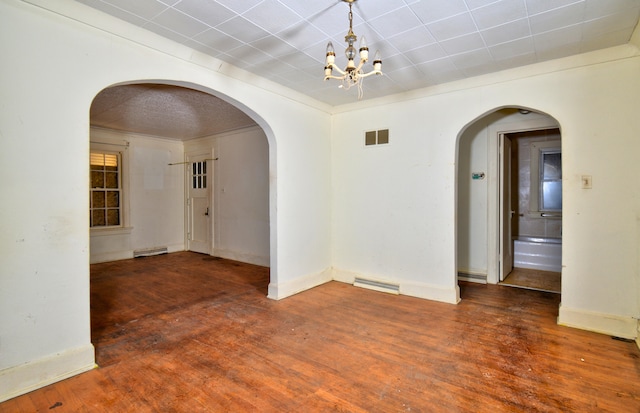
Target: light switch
{"points": [[586, 181]]}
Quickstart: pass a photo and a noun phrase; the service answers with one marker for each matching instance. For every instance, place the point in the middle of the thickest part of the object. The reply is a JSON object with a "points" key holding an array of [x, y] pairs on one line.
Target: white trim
{"points": [[283, 290], [127, 254], [107, 231], [610, 324], [36, 374], [242, 257]]}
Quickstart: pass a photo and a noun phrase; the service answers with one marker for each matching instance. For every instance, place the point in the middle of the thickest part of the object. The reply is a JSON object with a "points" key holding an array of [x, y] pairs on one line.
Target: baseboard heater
{"points": [[150, 251], [377, 286]]}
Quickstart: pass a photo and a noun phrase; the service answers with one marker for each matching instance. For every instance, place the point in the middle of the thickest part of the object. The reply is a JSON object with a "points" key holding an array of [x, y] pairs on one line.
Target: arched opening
{"points": [[175, 167], [509, 199]]}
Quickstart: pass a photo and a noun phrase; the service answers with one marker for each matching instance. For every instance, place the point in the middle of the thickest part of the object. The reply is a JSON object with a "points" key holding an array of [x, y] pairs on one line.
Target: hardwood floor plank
{"points": [[187, 333]]}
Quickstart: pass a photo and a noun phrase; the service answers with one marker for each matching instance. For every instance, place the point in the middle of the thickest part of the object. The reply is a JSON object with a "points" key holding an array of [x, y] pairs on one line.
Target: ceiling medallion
{"points": [[352, 75]]}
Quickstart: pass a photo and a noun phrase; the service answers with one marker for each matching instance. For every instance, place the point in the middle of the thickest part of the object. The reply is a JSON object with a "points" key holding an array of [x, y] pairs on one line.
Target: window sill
{"points": [[101, 232]]}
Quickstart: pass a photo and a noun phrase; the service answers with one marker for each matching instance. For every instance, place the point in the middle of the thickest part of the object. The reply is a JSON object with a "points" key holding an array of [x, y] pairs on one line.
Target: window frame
{"points": [[123, 154]]}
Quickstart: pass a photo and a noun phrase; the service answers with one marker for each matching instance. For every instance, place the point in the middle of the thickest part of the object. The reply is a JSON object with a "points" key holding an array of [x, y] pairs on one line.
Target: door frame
{"points": [[495, 218], [207, 156]]}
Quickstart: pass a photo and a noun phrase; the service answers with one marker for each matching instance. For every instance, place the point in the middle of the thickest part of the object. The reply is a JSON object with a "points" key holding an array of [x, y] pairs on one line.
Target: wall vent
{"points": [[150, 251], [377, 286], [376, 137]]}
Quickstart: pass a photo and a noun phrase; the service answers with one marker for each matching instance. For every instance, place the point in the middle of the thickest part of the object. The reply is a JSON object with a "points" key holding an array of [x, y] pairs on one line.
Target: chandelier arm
{"points": [[334, 77], [337, 69], [373, 72], [362, 62]]}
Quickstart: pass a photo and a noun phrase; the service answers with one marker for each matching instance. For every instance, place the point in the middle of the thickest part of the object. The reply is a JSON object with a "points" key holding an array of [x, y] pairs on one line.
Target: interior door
{"points": [[199, 204], [506, 213]]}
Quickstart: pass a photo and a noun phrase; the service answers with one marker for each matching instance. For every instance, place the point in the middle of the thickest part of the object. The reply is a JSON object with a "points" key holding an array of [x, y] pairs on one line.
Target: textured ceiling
{"points": [[422, 42], [166, 111]]}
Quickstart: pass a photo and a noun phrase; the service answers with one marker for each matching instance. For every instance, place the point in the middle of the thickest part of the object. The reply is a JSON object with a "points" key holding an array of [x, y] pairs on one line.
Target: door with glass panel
{"points": [[199, 223]]}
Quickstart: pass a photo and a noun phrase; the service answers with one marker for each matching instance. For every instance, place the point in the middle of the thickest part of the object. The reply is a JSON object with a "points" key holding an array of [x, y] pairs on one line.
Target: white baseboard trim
{"points": [[609, 324], [18, 380], [242, 257], [278, 291], [410, 288], [110, 256], [97, 258]]}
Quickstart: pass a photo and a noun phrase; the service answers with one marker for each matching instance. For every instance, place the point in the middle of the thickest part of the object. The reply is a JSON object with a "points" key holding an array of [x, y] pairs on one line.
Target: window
{"points": [[546, 179], [550, 180], [199, 175], [105, 197]]}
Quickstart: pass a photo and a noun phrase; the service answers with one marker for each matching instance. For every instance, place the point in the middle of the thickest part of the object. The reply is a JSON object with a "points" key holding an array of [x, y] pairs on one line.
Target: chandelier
{"points": [[352, 75]]}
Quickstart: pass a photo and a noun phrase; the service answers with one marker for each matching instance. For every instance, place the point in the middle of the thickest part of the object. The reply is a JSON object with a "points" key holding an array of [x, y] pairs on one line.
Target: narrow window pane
{"points": [[99, 219], [97, 179], [113, 217], [551, 166], [113, 199], [204, 181], [111, 179], [204, 167], [552, 196], [98, 199]]}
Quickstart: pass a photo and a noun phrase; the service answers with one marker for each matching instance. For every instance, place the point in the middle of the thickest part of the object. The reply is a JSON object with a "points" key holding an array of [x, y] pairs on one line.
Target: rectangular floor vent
{"points": [[377, 286], [150, 251]]}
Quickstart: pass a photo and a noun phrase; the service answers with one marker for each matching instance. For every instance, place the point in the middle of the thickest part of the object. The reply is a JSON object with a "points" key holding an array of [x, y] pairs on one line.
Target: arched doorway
{"points": [[141, 207], [498, 218], [156, 130]]}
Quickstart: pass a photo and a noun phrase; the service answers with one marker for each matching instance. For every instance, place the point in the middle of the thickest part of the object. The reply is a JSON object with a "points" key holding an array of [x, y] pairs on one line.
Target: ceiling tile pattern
{"points": [[422, 42]]}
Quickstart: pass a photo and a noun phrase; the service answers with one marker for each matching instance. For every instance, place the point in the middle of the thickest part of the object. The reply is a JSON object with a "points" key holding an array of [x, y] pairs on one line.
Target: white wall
{"points": [[394, 206], [53, 67], [155, 197]]}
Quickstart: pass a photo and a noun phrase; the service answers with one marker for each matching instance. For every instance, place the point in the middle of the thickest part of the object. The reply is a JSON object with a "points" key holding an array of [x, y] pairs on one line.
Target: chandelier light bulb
{"points": [[331, 54]]}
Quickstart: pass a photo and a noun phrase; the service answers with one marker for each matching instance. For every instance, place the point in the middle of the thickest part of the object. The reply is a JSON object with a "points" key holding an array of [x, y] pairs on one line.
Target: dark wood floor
{"points": [[534, 280], [188, 333]]}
